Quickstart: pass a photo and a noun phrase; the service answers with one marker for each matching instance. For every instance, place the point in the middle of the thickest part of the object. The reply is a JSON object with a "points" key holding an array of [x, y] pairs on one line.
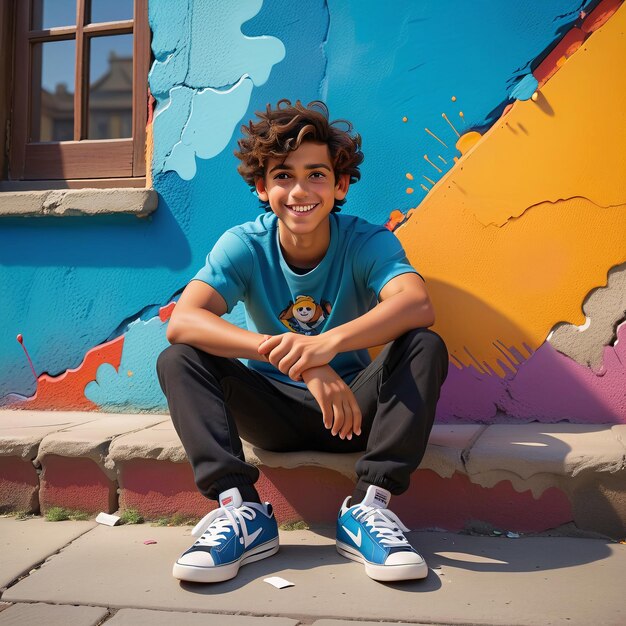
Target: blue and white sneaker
{"points": [[370, 533], [234, 534]]}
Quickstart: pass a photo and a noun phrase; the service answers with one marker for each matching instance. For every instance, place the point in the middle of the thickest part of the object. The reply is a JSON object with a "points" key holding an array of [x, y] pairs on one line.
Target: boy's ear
{"points": [[259, 184], [342, 186]]}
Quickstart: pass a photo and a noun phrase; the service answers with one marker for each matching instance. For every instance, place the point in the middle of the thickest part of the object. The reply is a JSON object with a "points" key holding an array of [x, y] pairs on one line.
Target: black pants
{"points": [[214, 400]]}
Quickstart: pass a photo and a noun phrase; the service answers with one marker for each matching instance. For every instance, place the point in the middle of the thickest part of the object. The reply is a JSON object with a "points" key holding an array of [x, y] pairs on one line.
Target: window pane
{"points": [[111, 87], [52, 111], [111, 10], [52, 13]]}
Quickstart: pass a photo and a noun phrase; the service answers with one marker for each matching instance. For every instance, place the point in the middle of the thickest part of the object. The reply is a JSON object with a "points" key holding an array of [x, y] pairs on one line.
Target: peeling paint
{"points": [[514, 283], [114, 389], [66, 391], [605, 308]]}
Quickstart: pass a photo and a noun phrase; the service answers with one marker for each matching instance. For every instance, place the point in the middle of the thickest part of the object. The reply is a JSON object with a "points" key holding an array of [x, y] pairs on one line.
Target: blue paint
{"points": [[390, 60], [223, 64], [70, 284], [214, 115], [116, 390], [525, 88]]}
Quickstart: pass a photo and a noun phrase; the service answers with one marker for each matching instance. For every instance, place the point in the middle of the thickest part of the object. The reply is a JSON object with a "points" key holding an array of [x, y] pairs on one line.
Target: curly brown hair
{"points": [[284, 128]]}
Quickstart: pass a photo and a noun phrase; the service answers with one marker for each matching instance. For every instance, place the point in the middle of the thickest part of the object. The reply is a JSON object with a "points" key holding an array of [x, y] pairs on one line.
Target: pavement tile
{"points": [[482, 580], [52, 615], [24, 544], [341, 622], [145, 617]]}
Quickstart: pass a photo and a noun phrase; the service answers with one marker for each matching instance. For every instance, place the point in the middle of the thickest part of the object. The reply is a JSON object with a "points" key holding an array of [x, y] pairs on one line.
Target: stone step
{"points": [[517, 477]]}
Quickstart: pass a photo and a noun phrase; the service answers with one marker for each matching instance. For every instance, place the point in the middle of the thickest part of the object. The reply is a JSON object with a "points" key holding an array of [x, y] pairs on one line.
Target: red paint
{"points": [[151, 105], [600, 15], [165, 312], [20, 340], [395, 219], [77, 484], [565, 48], [450, 503], [19, 485], [67, 391], [160, 488]]}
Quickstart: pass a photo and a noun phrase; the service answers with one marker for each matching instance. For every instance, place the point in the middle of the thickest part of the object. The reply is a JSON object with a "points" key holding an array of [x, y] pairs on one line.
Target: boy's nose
{"points": [[299, 190]]}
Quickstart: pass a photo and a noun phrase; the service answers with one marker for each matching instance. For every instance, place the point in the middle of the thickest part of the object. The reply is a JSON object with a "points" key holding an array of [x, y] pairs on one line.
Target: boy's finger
{"points": [[357, 418], [266, 345], [339, 418], [327, 414], [347, 428]]}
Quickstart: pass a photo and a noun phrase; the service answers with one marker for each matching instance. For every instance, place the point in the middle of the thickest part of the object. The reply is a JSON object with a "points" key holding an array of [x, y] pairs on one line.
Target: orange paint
{"points": [[409, 190], [437, 138], [445, 117], [467, 141], [430, 180], [427, 159], [67, 391], [409, 176], [405, 119], [395, 218], [165, 312]]}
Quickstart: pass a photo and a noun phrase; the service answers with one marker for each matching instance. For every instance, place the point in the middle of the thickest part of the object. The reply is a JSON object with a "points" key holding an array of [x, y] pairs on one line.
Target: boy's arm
{"points": [[404, 305], [197, 321]]}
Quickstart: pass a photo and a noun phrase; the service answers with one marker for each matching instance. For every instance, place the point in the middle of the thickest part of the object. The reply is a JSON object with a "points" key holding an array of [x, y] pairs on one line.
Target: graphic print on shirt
{"points": [[305, 316]]}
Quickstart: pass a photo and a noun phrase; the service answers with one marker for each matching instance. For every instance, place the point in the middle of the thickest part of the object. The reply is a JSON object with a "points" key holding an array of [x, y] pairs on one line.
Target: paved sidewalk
{"points": [[82, 573]]}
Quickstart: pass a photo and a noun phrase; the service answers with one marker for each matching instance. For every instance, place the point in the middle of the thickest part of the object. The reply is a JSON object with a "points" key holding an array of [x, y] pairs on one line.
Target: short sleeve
{"points": [[380, 258], [228, 268]]}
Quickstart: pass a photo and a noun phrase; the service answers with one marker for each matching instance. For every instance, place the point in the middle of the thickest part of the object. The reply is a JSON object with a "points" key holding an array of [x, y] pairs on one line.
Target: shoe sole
{"points": [[216, 574], [384, 573]]}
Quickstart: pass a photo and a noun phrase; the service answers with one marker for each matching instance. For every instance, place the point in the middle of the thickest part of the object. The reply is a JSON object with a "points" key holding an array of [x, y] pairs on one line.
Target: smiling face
{"points": [[304, 313], [301, 190]]}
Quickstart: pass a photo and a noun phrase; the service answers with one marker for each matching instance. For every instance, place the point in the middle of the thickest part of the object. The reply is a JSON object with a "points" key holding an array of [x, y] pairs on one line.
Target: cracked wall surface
{"points": [[493, 142], [604, 308]]}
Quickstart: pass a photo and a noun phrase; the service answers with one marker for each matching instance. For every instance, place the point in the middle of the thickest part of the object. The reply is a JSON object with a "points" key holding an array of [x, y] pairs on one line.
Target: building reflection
{"points": [[110, 112]]}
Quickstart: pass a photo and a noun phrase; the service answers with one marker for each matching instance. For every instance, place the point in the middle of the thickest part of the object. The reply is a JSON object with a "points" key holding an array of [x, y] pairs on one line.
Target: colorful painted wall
{"points": [[494, 142]]}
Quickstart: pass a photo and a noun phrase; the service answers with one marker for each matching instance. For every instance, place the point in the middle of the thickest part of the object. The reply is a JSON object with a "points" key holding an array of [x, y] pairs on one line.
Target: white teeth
{"points": [[301, 208]]}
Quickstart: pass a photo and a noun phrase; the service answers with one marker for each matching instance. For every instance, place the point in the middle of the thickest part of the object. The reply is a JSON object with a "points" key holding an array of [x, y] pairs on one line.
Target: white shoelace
{"points": [[213, 527], [384, 523]]}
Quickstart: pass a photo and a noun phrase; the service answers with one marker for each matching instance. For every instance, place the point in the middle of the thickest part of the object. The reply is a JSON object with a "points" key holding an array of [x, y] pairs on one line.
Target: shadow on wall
{"points": [[525, 385]]}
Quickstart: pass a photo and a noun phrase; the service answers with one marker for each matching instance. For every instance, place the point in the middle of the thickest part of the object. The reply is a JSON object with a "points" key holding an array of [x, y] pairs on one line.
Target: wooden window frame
{"points": [[119, 159]]}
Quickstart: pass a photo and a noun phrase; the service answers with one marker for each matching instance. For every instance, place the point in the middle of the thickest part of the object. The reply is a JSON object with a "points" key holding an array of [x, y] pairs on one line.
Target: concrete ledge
{"points": [[66, 202], [21, 432], [524, 477], [92, 439]]}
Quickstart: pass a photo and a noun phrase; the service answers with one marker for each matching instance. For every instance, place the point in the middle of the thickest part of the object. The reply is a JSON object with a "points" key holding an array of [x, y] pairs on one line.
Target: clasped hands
{"points": [[306, 358]]}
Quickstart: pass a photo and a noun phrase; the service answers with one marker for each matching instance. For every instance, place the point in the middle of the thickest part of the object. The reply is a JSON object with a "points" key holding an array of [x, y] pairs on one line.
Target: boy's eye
{"points": [[317, 175], [281, 176]]}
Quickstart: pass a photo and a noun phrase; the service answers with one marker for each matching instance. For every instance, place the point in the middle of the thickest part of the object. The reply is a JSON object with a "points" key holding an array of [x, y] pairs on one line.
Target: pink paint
{"points": [[552, 387], [548, 387]]}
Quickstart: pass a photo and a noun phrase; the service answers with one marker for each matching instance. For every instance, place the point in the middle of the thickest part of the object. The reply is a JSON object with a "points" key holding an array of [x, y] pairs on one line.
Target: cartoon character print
{"points": [[305, 316]]}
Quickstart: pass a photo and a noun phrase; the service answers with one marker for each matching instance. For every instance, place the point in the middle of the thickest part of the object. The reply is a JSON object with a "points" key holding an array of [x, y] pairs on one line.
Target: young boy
{"points": [[319, 288]]}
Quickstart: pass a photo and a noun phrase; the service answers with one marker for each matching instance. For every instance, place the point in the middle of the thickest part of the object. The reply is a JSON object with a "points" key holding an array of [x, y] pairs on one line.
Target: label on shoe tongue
{"points": [[377, 496], [231, 498]]}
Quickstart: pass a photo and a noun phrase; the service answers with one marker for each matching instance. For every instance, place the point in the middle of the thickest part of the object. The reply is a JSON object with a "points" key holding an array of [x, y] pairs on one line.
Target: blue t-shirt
{"points": [[246, 264]]}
